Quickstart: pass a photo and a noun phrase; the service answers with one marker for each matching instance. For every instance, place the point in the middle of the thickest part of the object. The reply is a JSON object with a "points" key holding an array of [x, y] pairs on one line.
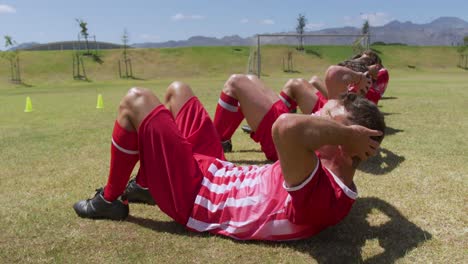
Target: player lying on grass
{"points": [[310, 188], [380, 80], [247, 96], [372, 63]]}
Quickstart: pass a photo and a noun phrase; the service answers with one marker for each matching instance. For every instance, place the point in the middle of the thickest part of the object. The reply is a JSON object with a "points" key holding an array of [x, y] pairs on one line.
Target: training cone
{"points": [[100, 103], [28, 107]]}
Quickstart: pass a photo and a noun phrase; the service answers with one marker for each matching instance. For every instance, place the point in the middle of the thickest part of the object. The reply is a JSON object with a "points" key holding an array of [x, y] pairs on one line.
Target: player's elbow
{"points": [[333, 71], [283, 128]]}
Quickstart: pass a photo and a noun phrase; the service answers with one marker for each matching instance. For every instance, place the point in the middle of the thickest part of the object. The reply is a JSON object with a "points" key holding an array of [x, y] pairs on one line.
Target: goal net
{"points": [[272, 54]]}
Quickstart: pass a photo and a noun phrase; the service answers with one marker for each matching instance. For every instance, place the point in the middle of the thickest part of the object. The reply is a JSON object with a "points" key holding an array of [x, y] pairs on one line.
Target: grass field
{"points": [[412, 205]]}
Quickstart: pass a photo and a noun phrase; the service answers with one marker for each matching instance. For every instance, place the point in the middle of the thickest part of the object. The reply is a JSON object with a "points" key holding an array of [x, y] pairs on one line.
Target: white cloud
{"points": [[149, 37], [4, 9], [315, 25], [244, 21], [267, 22], [375, 19], [180, 16]]}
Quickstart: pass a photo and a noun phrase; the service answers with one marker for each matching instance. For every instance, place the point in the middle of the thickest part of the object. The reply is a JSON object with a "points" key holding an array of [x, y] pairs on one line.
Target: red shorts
{"points": [[263, 133], [167, 158], [197, 127], [321, 101]]}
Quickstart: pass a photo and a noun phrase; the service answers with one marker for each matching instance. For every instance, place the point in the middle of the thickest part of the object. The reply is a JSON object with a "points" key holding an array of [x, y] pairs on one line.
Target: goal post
{"points": [[255, 58]]}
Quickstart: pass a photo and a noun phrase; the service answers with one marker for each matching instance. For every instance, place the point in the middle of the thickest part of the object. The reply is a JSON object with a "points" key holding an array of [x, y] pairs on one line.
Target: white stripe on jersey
{"points": [[223, 188], [230, 202]]}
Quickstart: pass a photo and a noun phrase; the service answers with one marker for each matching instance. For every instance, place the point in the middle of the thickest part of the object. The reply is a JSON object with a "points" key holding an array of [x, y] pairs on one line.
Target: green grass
{"points": [[412, 205]]}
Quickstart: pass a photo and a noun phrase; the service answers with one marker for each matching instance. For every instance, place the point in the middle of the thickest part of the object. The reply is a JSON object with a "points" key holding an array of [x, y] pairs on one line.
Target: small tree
{"points": [[125, 40], [13, 58], [465, 40], [127, 61], [366, 30], [301, 23], [365, 27], [84, 33]]}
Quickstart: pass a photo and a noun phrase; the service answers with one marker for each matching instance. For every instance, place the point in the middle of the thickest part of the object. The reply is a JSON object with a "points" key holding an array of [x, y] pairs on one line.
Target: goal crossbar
{"points": [[259, 36]]}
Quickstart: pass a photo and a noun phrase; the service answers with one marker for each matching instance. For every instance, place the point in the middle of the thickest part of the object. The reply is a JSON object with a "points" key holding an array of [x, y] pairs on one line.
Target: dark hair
{"points": [[364, 113], [354, 65], [374, 57]]}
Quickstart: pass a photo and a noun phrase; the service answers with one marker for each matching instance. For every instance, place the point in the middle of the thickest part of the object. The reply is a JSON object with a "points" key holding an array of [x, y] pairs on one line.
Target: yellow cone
{"points": [[28, 107], [100, 103]]}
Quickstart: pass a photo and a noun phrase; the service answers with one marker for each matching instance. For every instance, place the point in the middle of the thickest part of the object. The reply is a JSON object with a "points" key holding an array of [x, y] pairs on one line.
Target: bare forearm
{"points": [[312, 132], [338, 78]]}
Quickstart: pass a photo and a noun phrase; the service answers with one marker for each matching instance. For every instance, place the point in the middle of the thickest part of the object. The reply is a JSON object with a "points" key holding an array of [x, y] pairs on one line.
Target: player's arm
{"points": [[337, 79], [296, 138], [318, 84]]}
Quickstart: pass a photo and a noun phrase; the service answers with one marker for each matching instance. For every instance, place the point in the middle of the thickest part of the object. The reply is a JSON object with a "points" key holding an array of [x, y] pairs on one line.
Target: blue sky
{"points": [[155, 21]]}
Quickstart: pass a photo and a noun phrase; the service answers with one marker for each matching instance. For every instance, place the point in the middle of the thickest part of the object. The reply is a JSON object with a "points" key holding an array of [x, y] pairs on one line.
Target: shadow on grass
{"points": [[388, 98], [388, 114], [133, 78], [247, 150], [343, 243], [346, 242], [159, 226], [392, 131], [384, 162]]}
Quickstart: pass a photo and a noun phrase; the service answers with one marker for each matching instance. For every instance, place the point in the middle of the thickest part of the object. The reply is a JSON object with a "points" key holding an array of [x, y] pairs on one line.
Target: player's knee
{"points": [[235, 82], [293, 85], [132, 96], [314, 80], [177, 87]]}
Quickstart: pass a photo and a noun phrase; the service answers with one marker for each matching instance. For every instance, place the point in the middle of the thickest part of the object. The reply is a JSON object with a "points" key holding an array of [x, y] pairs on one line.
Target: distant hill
{"points": [[198, 41], [66, 45], [443, 31]]}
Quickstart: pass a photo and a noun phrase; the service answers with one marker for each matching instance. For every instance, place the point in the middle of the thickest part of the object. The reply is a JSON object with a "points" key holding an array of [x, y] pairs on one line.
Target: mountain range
{"points": [[443, 31]]}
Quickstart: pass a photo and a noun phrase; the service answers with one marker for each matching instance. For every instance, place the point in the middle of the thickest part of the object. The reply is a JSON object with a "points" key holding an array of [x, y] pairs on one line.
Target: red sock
{"points": [[288, 101], [228, 116], [124, 156]]}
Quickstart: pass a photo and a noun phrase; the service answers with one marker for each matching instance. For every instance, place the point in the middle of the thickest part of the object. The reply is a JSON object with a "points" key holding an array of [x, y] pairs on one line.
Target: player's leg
{"points": [[134, 107], [301, 92], [251, 94], [193, 120], [254, 97]]}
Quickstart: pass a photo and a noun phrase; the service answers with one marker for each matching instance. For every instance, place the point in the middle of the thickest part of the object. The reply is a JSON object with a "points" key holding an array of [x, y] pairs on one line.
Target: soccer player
{"points": [[243, 96], [310, 188], [379, 80]]}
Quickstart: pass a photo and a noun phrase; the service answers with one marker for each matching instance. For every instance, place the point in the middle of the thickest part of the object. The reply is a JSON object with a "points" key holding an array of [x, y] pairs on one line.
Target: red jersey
{"points": [[378, 87], [252, 202]]}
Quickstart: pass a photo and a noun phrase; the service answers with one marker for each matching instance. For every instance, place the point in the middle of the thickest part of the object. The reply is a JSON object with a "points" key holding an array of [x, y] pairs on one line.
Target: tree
{"points": [[125, 40], [126, 59], [301, 23], [13, 58], [366, 30], [465, 40], [365, 27], [84, 32]]}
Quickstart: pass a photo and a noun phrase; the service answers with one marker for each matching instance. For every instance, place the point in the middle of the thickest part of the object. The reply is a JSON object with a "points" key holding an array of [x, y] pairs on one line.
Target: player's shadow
{"points": [[373, 225], [247, 150], [388, 98], [382, 163], [387, 114], [389, 131], [373, 232]]}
